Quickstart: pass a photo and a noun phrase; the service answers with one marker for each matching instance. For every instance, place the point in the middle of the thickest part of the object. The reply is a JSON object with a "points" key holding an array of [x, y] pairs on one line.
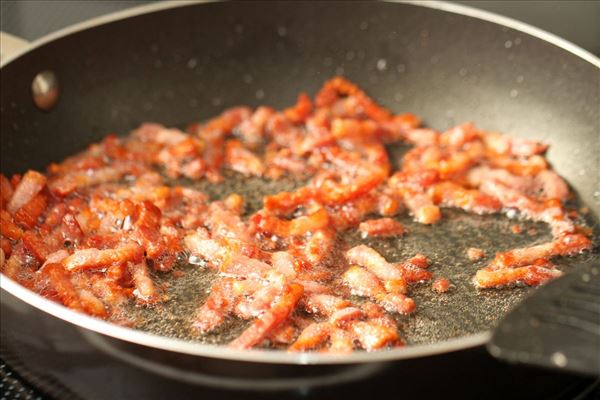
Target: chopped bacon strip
{"points": [[565, 246], [532, 275], [475, 254], [94, 258], [381, 227], [144, 286], [369, 258], [441, 285], [31, 184], [270, 320]]}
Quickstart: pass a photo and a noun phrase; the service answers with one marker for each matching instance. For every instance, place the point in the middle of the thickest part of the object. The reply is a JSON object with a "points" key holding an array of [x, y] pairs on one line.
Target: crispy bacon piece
{"points": [[475, 254], [318, 219], [381, 227], [145, 290], [364, 283], [242, 160], [374, 336], [531, 275], [441, 285], [219, 303], [270, 320], [94, 259], [373, 261], [61, 284], [566, 246], [450, 194], [29, 186], [8, 228], [27, 216]]}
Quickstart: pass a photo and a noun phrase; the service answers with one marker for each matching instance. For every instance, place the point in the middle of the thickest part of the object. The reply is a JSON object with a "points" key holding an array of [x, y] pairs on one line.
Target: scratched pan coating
{"points": [[461, 311]]}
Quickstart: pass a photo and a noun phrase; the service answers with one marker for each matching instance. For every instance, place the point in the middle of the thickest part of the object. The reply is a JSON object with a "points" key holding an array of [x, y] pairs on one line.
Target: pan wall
{"points": [[188, 63]]}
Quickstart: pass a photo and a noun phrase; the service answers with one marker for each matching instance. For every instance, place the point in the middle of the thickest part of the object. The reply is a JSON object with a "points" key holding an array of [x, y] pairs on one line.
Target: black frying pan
{"points": [[176, 63]]}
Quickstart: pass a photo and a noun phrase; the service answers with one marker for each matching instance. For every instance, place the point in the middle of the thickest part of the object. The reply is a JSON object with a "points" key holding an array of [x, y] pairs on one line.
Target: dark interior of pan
{"points": [[188, 63]]}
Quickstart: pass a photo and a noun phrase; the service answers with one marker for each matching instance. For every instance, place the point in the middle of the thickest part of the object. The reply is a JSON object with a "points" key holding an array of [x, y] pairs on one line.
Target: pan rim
{"points": [[262, 356]]}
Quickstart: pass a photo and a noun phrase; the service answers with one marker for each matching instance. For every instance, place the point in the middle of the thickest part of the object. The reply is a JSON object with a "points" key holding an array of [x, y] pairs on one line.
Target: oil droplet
{"points": [[401, 68], [398, 97], [520, 79], [216, 101], [260, 94], [382, 64], [157, 64], [350, 56], [339, 71], [364, 26], [462, 72], [239, 28], [517, 41], [192, 63], [327, 61], [514, 93], [281, 31], [248, 78], [508, 44], [193, 103]]}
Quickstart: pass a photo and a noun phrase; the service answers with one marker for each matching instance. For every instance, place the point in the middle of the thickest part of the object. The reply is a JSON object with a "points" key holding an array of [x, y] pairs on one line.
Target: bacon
{"points": [[475, 254], [373, 336], [8, 228], [144, 286], [311, 337], [324, 304], [531, 275], [441, 285], [27, 216], [242, 160], [364, 283], [319, 245], [270, 320], [219, 303], [296, 227], [60, 283], [35, 245], [29, 186], [373, 261], [6, 191], [566, 246], [253, 130], [300, 111], [519, 147], [381, 227], [283, 262], [451, 194], [93, 258]]}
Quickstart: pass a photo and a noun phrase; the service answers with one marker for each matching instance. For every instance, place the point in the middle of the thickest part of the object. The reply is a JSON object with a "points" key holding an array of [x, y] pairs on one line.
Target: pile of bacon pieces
{"points": [[89, 232]]}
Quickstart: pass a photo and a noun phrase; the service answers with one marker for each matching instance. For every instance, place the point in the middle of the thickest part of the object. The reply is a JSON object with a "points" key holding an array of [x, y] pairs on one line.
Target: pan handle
{"points": [[10, 44]]}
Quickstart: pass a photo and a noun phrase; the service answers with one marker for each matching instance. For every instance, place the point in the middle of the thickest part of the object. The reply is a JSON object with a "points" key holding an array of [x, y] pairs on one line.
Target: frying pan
{"points": [[179, 62]]}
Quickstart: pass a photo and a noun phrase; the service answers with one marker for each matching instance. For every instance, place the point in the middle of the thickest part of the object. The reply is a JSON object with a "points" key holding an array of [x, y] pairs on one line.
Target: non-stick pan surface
{"points": [[187, 63]]}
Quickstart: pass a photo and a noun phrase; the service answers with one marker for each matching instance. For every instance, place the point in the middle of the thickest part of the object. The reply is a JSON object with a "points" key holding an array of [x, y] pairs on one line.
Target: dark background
{"points": [[576, 21]]}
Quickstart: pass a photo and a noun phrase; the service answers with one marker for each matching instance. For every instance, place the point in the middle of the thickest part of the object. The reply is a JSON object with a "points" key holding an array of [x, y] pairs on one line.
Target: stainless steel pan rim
{"points": [[263, 356]]}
